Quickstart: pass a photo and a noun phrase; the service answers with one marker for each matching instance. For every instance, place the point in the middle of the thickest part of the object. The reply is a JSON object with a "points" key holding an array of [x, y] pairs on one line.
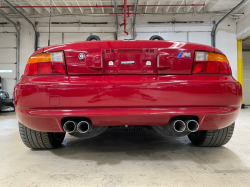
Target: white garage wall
{"points": [[74, 37], [226, 41], [55, 38], [198, 33], [171, 36], [200, 37], [195, 37], [8, 61]]}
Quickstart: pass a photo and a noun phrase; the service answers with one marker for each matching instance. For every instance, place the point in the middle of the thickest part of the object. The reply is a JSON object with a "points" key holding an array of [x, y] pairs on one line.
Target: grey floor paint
{"points": [[122, 159]]}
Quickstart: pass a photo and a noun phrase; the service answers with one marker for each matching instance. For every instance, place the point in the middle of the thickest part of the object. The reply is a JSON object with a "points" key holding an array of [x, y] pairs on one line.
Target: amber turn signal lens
{"points": [[211, 63], [46, 64], [40, 58], [47, 57], [216, 57], [210, 56]]}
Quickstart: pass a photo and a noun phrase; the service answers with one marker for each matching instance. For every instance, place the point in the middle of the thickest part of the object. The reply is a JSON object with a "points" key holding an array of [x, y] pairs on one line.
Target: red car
{"points": [[83, 88]]}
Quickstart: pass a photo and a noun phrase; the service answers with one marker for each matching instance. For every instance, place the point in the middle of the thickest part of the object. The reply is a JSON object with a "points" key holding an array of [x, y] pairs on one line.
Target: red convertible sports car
{"points": [[83, 88]]}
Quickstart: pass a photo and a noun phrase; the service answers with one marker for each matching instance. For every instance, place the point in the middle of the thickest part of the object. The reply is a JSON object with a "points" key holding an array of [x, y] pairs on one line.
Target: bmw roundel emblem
{"points": [[81, 56]]}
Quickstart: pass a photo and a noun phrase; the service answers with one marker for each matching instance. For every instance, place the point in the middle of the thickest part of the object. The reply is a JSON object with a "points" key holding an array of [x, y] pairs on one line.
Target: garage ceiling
{"points": [[106, 6]]}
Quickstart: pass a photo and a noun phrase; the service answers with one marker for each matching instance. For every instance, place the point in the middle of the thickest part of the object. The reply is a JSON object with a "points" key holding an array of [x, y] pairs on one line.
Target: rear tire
{"points": [[212, 138], [40, 140]]}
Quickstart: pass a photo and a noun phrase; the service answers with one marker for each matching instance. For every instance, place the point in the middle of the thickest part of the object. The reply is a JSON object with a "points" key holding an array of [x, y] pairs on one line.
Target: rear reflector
{"points": [[211, 63], [46, 64]]}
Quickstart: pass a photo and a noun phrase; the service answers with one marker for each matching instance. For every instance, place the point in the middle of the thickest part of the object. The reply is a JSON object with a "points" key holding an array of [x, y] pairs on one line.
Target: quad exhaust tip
{"points": [[178, 125], [84, 127], [192, 125], [181, 126], [69, 126]]}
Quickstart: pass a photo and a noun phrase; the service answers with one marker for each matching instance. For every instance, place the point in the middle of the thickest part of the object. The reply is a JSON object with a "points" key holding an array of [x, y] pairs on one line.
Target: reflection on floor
{"points": [[125, 159]]}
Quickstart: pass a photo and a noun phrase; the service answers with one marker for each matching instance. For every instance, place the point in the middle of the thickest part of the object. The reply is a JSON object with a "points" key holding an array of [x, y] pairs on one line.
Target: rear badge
{"points": [[184, 55], [127, 62], [81, 56]]}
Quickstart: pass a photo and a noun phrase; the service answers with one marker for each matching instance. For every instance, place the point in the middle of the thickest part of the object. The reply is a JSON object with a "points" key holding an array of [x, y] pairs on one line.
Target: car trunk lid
{"points": [[127, 57]]}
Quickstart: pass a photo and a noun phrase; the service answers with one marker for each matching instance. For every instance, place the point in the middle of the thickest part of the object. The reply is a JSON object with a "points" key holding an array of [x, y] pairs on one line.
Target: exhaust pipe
{"points": [[69, 126], [177, 126], [84, 127], [192, 125]]}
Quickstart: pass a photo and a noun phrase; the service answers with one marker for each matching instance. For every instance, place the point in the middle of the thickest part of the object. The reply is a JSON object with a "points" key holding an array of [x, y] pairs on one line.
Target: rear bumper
{"points": [[42, 102]]}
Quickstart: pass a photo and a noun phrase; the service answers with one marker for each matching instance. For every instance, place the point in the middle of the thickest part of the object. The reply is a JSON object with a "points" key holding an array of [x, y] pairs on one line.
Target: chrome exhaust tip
{"points": [[178, 126], [69, 126], [192, 125], [84, 127]]}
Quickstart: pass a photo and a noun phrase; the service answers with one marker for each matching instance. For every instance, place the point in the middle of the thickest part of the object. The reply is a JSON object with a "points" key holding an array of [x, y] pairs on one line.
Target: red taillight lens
{"points": [[225, 68], [213, 67], [44, 68], [46, 64], [199, 67], [31, 69], [210, 63]]}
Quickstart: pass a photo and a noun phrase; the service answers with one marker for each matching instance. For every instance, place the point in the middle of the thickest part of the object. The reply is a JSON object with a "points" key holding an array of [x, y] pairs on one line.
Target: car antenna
{"points": [[49, 22]]}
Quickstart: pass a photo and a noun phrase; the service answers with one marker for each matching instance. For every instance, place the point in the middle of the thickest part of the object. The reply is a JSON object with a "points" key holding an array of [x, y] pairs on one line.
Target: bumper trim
{"points": [[49, 120]]}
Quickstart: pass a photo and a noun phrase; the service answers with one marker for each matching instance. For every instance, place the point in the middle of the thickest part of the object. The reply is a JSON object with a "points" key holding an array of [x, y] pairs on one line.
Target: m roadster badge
{"points": [[184, 55]]}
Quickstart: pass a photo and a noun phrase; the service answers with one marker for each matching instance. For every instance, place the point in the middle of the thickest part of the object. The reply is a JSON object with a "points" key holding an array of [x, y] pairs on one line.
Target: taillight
{"points": [[210, 63], [46, 64]]}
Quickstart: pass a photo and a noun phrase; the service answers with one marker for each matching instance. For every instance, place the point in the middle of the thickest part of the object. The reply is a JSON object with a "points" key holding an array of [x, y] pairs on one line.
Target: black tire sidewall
{"points": [[55, 142], [93, 37], [199, 139], [156, 37]]}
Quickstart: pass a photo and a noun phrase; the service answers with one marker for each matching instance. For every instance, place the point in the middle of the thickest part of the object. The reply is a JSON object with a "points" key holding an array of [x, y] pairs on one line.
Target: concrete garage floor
{"points": [[122, 159]]}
